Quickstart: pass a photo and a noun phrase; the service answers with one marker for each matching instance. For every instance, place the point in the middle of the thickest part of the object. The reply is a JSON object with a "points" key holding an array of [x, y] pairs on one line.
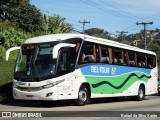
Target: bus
{"points": [[80, 67]]}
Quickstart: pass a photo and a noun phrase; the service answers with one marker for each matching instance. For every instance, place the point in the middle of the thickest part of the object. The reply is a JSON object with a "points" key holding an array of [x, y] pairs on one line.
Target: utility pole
{"points": [[144, 23], [46, 17], [122, 33], [84, 22]]}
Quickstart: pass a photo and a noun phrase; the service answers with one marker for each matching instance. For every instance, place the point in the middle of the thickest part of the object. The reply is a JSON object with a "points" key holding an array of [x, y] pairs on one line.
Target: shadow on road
{"points": [[48, 104]]}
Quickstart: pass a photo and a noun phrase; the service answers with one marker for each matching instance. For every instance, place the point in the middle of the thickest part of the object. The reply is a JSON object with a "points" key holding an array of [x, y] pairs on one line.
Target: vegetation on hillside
{"points": [[20, 20]]}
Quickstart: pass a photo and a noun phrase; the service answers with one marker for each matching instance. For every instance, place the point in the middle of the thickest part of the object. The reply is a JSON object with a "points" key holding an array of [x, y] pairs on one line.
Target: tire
{"points": [[83, 96], [141, 94], [159, 93]]}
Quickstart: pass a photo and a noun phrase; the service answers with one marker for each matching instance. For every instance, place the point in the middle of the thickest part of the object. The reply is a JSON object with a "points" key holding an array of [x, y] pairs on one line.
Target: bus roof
{"points": [[53, 37], [58, 37]]}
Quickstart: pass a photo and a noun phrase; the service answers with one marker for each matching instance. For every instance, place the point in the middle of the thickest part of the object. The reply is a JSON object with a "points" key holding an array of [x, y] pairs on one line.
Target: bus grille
{"points": [[29, 89]]}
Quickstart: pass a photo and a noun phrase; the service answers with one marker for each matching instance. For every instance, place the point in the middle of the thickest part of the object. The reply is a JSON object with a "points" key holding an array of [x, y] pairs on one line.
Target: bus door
{"points": [[66, 66]]}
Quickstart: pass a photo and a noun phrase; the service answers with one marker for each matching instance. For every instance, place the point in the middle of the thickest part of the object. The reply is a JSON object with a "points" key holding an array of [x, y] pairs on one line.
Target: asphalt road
{"points": [[113, 108]]}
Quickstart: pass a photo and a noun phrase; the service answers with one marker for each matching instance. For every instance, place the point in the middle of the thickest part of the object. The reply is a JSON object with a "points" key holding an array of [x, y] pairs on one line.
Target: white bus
{"points": [[80, 67]]}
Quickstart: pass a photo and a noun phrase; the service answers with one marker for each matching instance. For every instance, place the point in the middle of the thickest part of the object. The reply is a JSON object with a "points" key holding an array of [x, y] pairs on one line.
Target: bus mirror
{"points": [[58, 47], [10, 50]]}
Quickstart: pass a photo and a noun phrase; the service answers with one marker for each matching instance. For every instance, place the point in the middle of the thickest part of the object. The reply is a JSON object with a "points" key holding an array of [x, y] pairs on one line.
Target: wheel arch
{"points": [[87, 85], [143, 85]]}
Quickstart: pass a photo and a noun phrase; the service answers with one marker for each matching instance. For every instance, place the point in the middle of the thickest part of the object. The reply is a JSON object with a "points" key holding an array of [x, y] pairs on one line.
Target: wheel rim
{"points": [[141, 93], [82, 96]]}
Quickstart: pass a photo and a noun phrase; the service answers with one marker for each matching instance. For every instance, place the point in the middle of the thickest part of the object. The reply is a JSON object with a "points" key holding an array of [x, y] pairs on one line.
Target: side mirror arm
{"points": [[10, 50], [59, 46]]}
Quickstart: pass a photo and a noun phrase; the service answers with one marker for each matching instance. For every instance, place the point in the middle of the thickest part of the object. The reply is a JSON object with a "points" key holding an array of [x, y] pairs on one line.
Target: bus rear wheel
{"points": [[141, 94], [83, 96]]}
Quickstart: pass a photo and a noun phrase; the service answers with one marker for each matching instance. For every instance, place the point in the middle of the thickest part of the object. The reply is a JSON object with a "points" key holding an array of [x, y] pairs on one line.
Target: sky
{"points": [[110, 15]]}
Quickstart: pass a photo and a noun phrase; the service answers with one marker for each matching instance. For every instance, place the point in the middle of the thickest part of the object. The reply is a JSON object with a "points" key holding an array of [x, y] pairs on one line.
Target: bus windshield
{"points": [[35, 62]]}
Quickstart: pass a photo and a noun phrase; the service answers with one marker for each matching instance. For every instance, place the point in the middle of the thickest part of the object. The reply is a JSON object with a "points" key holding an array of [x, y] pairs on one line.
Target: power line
{"points": [[70, 22], [107, 10], [144, 24], [130, 28], [84, 22], [76, 30], [106, 3]]}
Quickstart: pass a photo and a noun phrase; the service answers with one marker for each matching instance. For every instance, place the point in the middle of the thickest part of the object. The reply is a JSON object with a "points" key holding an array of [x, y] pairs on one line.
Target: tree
{"points": [[22, 14], [57, 24], [9, 37], [98, 33], [6, 5], [12, 37], [28, 18]]}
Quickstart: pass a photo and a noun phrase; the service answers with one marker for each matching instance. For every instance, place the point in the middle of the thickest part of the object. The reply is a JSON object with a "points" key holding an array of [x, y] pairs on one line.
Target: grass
{"points": [[6, 76], [6, 72]]}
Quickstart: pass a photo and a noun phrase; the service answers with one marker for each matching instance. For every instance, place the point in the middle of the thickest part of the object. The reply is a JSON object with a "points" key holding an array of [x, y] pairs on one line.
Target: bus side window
{"points": [[132, 61], [104, 54], [151, 61], [117, 55], [154, 61], [141, 60], [88, 53], [64, 61], [124, 57]]}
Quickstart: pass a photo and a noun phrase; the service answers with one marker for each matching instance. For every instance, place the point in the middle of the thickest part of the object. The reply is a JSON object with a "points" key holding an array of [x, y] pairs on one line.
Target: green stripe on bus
{"points": [[117, 84]]}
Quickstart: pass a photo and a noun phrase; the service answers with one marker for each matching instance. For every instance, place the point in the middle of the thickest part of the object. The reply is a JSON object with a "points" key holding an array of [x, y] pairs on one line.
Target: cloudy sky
{"points": [[111, 15]]}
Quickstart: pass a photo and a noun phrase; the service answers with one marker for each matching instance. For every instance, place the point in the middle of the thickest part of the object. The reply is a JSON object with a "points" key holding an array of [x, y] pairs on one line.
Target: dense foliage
{"points": [[26, 17], [98, 33], [20, 20], [59, 25]]}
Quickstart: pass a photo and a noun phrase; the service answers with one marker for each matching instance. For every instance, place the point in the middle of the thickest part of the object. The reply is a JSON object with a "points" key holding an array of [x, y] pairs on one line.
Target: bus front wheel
{"points": [[141, 94], [83, 96]]}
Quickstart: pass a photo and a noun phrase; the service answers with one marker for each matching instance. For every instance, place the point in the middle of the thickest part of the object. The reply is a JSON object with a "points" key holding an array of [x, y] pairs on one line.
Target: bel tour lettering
{"points": [[95, 69]]}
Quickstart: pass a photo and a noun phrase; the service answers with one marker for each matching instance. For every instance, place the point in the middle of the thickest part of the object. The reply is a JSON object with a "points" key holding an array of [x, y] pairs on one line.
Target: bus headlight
{"points": [[53, 84]]}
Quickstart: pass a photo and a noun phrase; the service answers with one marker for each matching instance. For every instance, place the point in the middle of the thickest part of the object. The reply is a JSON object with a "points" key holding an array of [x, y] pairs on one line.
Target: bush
{"points": [[7, 69], [9, 37], [6, 76], [12, 37], [2, 53]]}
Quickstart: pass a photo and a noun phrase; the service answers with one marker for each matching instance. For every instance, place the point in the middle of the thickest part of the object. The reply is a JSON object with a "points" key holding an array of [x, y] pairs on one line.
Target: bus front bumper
{"points": [[45, 94]]}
